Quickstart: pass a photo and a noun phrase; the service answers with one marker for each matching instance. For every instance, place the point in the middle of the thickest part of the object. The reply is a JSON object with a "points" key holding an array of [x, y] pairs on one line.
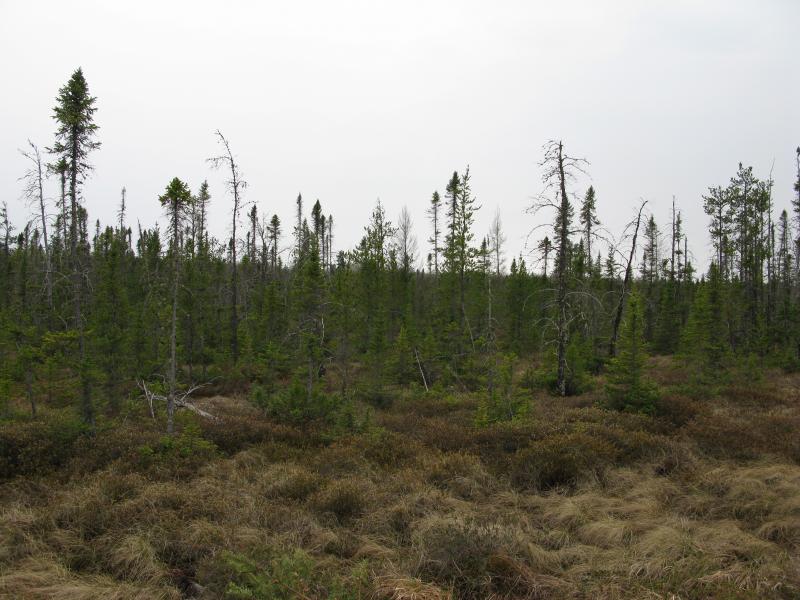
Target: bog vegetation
{"points": [[262, 416]]}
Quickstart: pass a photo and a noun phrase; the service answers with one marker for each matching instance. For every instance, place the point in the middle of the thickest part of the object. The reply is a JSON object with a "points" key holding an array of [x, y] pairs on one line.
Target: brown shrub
{"points": [[468, 556], [747, 436], [387, 449], [677, 409], [131, 558], [237, 432], [762, 396], [398, 587], [459, 473], [443, 433], [561, 460], [340, 459], [496, 442], [45, 578], [345, 498], [291, 482]]}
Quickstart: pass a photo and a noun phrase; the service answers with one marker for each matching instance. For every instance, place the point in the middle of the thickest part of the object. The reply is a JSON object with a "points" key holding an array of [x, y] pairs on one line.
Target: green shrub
{"points": [[502, 403], [579, 358], [294, 403], [627, 387], [348, 417], [375, 395], [286, 575], [179, 454]]}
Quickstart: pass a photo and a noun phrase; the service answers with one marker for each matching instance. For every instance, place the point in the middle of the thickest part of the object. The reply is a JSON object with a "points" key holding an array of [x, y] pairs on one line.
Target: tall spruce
{"points": [[75, 141], [588, 220], [434, 212], [176, 200]]}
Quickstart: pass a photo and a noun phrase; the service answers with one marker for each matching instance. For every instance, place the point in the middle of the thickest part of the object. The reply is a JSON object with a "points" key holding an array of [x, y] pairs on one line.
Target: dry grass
{"points": [[43, 577], [431, 509]]}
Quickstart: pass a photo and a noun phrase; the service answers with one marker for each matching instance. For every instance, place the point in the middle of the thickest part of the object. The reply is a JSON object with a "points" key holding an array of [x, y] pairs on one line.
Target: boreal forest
{"points": [[266, 413]]}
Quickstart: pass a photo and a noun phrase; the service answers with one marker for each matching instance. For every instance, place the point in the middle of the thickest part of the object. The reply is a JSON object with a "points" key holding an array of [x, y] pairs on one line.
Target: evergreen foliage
{"points": [[627, 387], [92, 307]]}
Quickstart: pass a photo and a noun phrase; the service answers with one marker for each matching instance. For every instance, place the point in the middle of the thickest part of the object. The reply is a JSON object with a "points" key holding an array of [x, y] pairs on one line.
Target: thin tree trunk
{"points": [[48, 276], [29, 390], [612, 346], [561, 301]]}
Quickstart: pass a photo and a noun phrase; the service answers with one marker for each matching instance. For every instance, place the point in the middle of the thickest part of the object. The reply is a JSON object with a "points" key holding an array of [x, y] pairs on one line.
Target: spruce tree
{"points": [[704, 342], [626, 385], [75, 140], [588, 220], [175, 200]]}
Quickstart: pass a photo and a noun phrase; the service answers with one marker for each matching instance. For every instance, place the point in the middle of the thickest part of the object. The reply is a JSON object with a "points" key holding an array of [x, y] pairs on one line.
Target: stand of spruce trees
{"points": [[87, 310]]}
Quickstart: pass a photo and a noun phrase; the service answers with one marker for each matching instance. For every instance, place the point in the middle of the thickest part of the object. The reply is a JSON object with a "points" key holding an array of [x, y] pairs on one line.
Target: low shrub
{"points": [[237, 432], [561, 460], [677, 409], [283, 575], [178, 455], [293, 483], [461, 474], [295, 405], [344, 498], [286, 575], [387, 449], [461, 554], [747, 436], [503, 403], [34, 447]]}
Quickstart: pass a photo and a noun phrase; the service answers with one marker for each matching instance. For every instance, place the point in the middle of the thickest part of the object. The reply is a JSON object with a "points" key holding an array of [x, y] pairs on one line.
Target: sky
{"points": [[349, 102]]}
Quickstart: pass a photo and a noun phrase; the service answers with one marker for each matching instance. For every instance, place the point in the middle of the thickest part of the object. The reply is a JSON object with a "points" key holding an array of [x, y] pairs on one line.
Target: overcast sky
{"points": [[349, 102]]}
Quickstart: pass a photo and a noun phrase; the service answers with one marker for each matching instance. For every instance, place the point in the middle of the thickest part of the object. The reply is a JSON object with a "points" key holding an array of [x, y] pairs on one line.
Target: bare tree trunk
{"points": [[29, 391], [236, 184], [34, 192], [38, 182], [612, 345], [561, 300]]}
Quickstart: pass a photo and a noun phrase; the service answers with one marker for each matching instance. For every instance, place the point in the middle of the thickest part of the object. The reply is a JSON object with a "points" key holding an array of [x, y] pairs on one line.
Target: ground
{"points": [[570, 501]]}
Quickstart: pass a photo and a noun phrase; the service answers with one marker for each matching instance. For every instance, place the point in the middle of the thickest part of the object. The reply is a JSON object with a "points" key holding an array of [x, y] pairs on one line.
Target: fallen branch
{"points": [[180, 402], [421, 372]]}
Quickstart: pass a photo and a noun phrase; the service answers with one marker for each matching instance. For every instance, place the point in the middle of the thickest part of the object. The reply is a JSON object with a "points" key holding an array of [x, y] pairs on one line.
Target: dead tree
{"points": [[34, 191], [178, 401], [497, 239], [558, 169], [236, 186], [612, 345]]}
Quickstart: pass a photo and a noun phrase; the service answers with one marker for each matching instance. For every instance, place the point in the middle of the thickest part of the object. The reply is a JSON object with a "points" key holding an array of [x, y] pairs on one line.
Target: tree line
{"points": [[90, 311]]}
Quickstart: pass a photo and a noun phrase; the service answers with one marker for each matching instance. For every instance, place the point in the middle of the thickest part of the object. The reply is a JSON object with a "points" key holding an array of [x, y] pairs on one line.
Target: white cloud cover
{"points": [[351, 101]]}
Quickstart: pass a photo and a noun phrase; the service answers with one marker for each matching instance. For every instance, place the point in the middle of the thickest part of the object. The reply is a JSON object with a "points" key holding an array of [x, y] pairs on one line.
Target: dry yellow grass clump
{"points": [[571, 502]]}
